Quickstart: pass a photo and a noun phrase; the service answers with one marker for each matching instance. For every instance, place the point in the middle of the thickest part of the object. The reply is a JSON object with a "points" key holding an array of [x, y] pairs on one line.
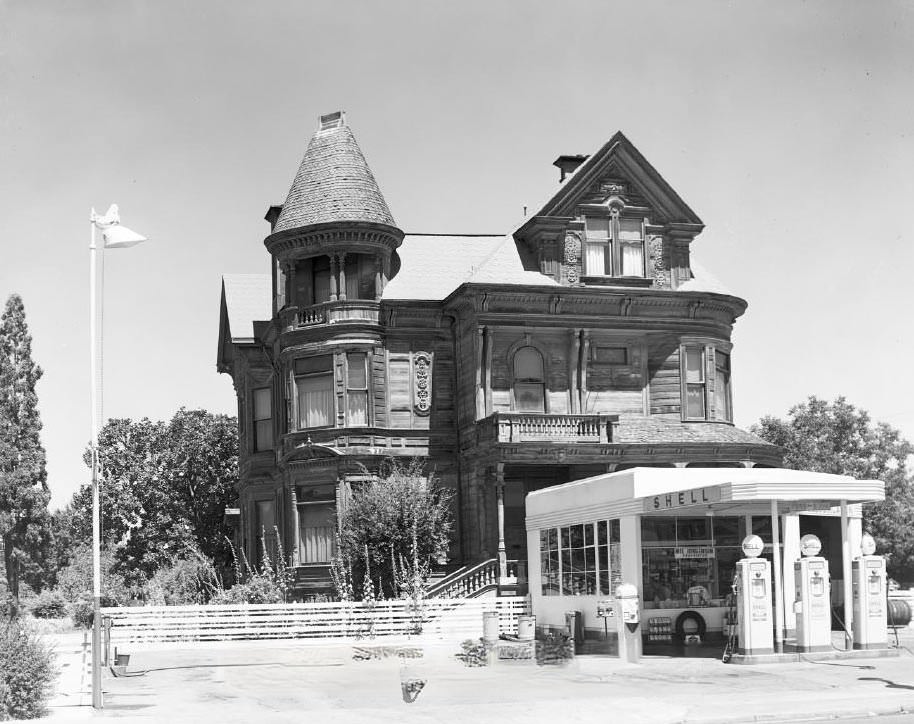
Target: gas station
{"points": [[757, 559]]}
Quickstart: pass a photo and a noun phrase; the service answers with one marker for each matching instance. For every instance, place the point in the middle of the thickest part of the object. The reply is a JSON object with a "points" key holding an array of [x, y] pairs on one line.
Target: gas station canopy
{"points": [[656, 491]]}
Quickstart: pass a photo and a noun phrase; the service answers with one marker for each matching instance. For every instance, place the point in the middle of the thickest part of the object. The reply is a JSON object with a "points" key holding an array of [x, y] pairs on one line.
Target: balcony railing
{"points": [[512, 427], [347, 310]]}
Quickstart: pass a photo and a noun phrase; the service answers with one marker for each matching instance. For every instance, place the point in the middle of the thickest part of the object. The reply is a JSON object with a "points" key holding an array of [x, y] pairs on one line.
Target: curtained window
{"points": [[357, 388], [317, 532], [314, 386], [693, 372], [614, 246]]}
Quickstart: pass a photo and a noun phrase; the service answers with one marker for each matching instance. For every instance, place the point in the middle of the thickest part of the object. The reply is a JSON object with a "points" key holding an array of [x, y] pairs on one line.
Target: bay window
{"points": [[693, 375], [356, 388], [705, 374], [263, 418], [314, 388], [723, 405]]}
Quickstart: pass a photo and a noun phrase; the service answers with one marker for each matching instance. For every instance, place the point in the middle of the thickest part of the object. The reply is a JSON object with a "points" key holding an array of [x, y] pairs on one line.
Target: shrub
{"points": [[27, 673], [74, 581], [555, 647], [474, 653], [187, 580], [49, 604], [82, 611]]}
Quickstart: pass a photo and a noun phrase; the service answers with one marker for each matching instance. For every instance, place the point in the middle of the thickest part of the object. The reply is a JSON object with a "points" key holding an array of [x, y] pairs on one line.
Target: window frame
{"points": [[529, 382], [710, 350], [725, 415], [613, 246], [601, 537], [256, 447], [352, 390], [297, 376]]}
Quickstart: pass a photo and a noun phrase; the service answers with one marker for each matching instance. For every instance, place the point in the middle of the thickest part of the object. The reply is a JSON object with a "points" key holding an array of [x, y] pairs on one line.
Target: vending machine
{"points": [[869, 589], [812, 603], [755, 631]]}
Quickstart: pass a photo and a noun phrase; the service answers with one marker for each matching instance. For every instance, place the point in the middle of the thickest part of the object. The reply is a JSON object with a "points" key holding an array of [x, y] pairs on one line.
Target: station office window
{"points": [[263, 419], [678, 553], [314, 387], [580, 559]]}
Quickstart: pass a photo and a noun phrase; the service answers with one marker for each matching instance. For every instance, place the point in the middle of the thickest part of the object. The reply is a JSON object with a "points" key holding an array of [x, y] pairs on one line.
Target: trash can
{"points": [[490, 626], [526, 627], [574, 625]]}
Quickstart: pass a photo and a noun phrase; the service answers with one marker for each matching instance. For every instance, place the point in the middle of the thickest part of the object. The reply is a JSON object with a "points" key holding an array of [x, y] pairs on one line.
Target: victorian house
{"points": [[586, 340]]}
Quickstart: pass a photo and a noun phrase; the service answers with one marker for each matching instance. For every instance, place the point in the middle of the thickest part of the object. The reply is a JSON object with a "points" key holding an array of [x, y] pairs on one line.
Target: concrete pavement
{"points": [[284, 681]]}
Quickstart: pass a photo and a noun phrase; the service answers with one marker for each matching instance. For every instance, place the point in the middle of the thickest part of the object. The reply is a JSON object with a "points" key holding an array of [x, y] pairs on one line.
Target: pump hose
{"points": [[731, 625]]}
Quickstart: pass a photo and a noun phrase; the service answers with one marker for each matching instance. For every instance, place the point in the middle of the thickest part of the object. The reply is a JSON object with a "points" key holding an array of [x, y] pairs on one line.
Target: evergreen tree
{"points": [[24, 494]]}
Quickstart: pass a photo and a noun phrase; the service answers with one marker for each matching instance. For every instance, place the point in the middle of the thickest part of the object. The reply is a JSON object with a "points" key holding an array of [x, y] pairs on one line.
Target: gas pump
{"points": [[753, 600], [629, 621], [869, 587], [812, 604]]}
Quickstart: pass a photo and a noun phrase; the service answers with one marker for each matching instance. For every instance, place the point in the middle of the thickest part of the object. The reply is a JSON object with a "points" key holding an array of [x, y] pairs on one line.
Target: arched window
{"points": [[529, 381]]}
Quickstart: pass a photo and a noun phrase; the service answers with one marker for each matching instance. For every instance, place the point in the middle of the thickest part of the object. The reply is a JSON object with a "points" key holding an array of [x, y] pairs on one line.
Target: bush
{"points": [[83, 613], [49, 604], [27, 673], [186, 581]]}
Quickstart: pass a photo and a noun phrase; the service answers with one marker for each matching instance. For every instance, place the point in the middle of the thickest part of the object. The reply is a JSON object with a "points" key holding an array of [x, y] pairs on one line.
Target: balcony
{"points": [[517, 427], [350, 311]]}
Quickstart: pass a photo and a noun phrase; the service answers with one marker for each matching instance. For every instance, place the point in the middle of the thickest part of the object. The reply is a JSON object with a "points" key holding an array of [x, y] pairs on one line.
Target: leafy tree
{"points": [[24, 494], [836, 437], [163, 490], [392, 529]]}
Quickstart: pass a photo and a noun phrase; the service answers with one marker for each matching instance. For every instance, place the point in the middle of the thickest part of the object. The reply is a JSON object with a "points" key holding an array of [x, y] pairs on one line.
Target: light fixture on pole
{"points": [[114, 236]]}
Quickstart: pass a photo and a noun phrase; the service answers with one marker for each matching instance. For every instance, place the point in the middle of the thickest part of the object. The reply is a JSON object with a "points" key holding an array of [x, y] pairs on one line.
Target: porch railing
{"points": [[509, 427], [346, 310]]}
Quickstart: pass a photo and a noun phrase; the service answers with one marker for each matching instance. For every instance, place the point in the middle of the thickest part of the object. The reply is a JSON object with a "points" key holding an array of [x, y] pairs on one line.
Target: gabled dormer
{"points": [[614, 221]]}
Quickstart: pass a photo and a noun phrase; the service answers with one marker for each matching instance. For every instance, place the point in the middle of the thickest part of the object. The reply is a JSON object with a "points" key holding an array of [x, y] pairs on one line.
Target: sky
{"points": [[787, 126]]}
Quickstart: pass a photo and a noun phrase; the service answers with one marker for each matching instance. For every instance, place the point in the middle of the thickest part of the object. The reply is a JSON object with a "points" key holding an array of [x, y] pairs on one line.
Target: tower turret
{"points": [[334, 239]]}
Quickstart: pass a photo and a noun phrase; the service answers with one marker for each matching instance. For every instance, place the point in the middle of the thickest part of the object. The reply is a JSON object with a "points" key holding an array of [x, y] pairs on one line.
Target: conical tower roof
{"points": [[333, 183]]}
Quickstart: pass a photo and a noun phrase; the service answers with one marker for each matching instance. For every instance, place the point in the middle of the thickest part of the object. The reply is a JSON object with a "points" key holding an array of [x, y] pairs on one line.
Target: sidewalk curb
{"points": [[802, 717]]}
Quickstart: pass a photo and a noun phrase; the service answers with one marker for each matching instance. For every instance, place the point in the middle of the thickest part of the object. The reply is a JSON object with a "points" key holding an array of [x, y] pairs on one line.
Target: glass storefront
{"points": [[581, 560], [688, 561]]}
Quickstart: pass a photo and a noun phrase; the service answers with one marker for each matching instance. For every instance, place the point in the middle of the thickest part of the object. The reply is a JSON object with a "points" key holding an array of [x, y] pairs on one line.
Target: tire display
{"points": [[690, 623]]}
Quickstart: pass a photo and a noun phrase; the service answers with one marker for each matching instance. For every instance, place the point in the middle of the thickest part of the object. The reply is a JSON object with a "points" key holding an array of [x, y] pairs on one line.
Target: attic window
{"points": [[332, 120], [614, 246]]}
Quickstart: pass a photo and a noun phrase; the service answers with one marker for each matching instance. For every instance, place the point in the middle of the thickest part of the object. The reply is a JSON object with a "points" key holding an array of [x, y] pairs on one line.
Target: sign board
{"points": [[682, 499], [606, 609], [700, 552]]}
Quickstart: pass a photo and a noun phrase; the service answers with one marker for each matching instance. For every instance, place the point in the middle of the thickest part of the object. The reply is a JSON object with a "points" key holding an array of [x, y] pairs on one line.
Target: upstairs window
{"points": [[263, 419], [314, 387], [357, 389], [723, 404], [614, 246], [529, 381], [694, 385], [320, 279], [706, 383]]}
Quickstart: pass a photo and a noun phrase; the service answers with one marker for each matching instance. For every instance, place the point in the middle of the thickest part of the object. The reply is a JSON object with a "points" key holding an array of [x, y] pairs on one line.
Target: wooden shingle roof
{"points": [[333, 184]]}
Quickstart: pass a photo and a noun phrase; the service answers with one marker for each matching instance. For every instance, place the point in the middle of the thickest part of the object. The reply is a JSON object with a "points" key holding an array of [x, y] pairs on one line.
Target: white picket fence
{"points": [[436, 619]]}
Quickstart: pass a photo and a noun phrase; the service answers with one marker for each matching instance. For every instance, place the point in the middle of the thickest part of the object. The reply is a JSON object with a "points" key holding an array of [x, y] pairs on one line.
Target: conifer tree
{"points": [[24, 494]]}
